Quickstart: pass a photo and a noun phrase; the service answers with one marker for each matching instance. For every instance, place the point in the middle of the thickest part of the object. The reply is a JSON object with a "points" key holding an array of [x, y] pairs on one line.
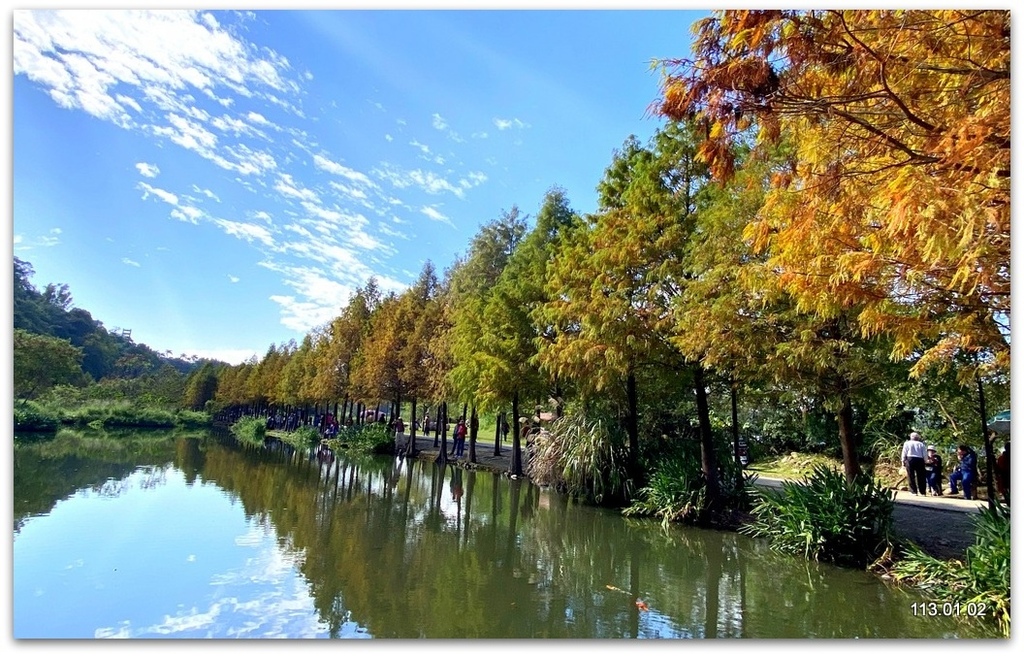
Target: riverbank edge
{"points": [[956, 511]]}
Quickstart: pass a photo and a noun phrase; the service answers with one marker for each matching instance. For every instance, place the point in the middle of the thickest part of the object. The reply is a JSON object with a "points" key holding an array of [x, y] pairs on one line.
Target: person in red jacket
{"points": [[459, 439]]}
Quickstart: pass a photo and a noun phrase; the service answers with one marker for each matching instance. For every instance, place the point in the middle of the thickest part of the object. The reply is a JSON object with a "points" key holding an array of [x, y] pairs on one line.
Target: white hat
{"points": [[931, 447]]}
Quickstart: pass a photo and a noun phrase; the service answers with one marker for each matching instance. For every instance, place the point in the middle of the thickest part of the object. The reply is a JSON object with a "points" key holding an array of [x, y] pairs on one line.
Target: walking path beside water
{"points": [[941, 526]]}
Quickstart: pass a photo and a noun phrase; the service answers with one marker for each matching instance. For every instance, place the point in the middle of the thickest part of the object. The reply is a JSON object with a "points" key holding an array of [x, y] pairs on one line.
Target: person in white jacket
{"points": [[913, 459]]}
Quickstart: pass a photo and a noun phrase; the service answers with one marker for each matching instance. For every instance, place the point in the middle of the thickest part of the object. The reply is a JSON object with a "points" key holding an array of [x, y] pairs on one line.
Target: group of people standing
{"points": [[458, 436], [924, 469]]}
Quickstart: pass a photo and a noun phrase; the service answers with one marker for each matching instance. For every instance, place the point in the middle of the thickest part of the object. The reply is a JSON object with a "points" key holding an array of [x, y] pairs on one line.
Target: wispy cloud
{"points": [[423, 148], [428, 181], [432, 214], [247, 231], [325, 164], [162, 194], [442, 125], [125, 260], [509, 123], [46, 241], [187, 83]]}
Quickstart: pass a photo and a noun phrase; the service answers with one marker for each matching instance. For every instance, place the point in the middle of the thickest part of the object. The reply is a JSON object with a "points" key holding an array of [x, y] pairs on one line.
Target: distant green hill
{"points": [[106, 353]]}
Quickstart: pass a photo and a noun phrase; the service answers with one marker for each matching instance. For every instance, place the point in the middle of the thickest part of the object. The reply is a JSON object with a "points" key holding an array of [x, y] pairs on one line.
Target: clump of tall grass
{"points": [[983, 579], [302, 437], [192, 418], [826, 518], [675, 492], [137, 417], [677, 489], [31, 416], [584, 457], [250, 430], [366, 438]]}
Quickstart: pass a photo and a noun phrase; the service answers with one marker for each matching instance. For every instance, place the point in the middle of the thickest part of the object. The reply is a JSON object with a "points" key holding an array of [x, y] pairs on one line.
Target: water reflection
{"points": [[278, 542]]}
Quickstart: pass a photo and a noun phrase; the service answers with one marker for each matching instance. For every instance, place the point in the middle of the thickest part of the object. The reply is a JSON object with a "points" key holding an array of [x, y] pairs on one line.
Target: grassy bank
{"points": [[33, 416]]}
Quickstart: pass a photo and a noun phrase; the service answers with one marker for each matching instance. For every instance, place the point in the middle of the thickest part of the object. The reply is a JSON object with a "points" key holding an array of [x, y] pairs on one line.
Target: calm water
{"points": [[168, 536]]}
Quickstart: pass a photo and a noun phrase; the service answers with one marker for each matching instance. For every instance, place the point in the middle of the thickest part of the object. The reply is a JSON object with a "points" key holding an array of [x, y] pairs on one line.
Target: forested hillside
{"points": [[57, 343]]}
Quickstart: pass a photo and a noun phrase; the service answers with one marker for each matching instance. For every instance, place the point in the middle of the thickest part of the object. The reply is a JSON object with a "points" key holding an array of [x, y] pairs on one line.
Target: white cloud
{"points": [[325, 164], [148, 170], [321, 290], [229, 355], [258, 119], [440, 124], [233, 278], [246, 231], [142, 70], [287, 186], [205, 192], [432, 214], [426, 180], [508, 123], [165, 196], [133, 263], [187, 214], [391, 232], [425, 149]]}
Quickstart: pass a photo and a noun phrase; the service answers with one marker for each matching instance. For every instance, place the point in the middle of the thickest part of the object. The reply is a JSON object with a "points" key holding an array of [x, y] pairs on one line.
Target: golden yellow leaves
{"points": [[900, 188]]}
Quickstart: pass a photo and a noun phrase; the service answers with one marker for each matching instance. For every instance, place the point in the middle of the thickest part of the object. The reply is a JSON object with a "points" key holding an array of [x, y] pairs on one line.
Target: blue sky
{"points": [[221, 181]]}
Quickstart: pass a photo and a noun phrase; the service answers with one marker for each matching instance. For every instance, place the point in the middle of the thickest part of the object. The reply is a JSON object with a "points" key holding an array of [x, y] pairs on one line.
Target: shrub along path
{"points": [[942, 526]]}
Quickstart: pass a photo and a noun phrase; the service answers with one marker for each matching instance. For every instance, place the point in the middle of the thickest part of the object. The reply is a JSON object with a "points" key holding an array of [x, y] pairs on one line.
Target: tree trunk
{"points": [[437, 426], [632, 427], [517, 429], [410, 445], [474, 430], [442, 454], [497, 433], [851, 465], [990, 456], [708, 459], [734, 394]]}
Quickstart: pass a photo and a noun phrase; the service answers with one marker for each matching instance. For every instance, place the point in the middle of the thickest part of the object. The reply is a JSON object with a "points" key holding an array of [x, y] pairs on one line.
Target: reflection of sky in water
{"points": [[216, 574], [263, 598]]}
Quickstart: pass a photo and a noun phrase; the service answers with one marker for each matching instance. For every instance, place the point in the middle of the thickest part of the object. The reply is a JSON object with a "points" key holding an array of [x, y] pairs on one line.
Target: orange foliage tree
{"points": [[897, 197]]}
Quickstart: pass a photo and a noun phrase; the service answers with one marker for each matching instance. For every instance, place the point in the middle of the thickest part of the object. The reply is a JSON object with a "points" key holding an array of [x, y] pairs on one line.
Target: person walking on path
{"points": [[399, 431], [965, 472], [913, 460], [459, 439], [1003, 473], [933, 471]]}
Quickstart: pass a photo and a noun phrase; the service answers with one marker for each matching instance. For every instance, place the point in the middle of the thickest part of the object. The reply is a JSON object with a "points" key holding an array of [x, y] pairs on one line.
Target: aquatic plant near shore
{"points": [[250, 430], [826, 518], [982, 581]]}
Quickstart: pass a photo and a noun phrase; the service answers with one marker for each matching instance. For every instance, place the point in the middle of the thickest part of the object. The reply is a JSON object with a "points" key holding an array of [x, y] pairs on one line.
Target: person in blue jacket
{"points": [[965, 473]]}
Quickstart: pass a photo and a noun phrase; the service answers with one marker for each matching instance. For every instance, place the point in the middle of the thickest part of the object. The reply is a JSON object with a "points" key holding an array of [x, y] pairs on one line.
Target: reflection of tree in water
{"points": [[47, 471], [145, 478], [519, 561]]}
